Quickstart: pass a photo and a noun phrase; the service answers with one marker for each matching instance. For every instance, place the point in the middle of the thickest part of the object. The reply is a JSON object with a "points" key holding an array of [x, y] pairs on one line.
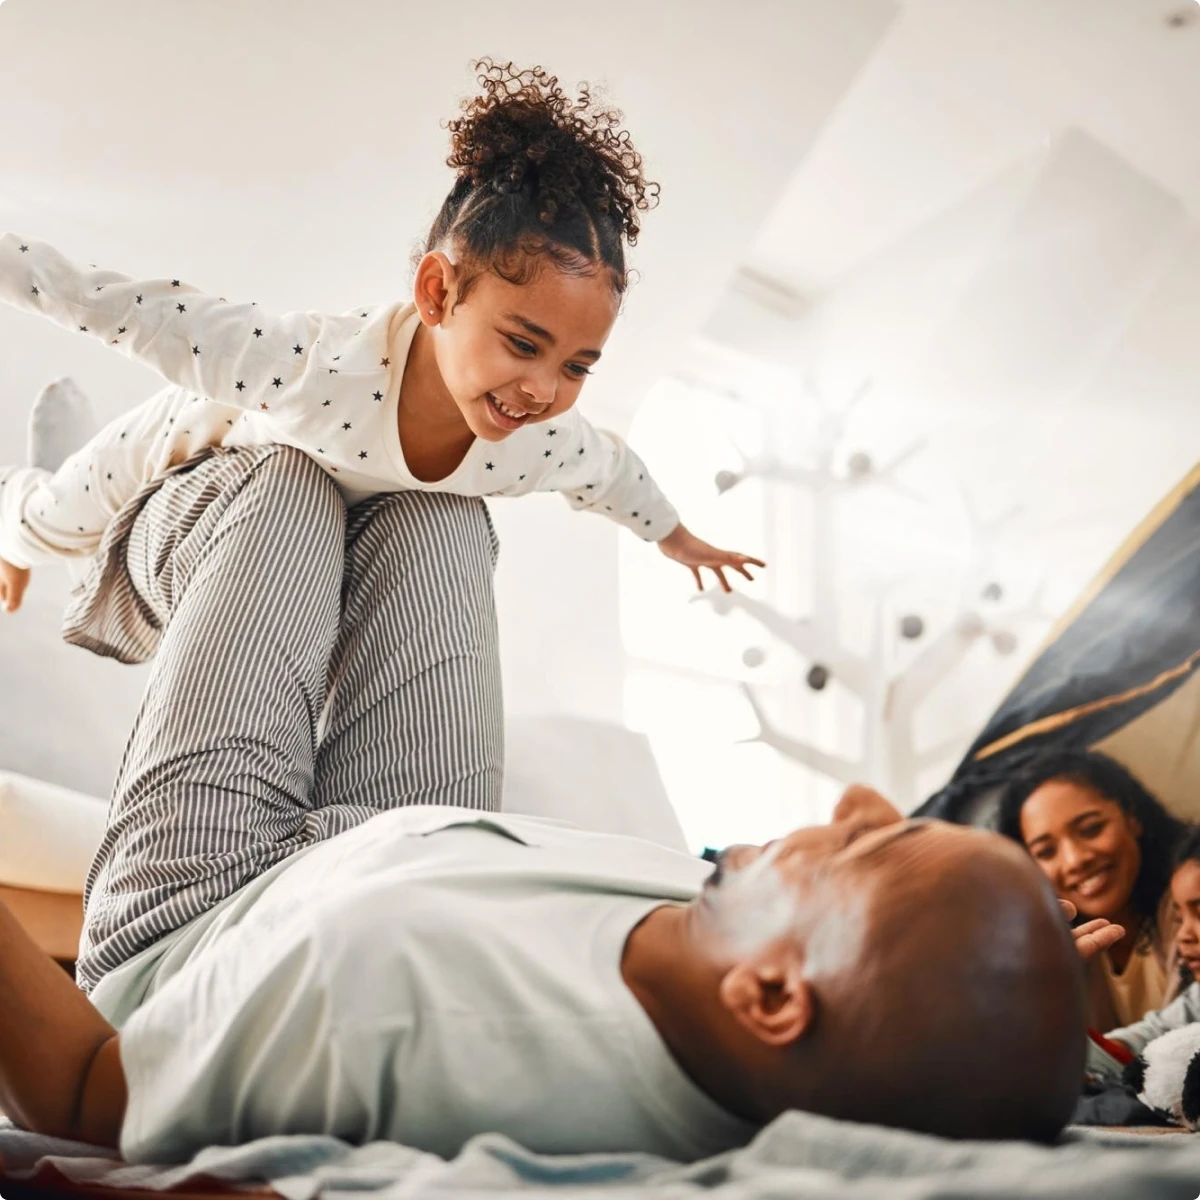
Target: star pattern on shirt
{"points": [[298, 349]]}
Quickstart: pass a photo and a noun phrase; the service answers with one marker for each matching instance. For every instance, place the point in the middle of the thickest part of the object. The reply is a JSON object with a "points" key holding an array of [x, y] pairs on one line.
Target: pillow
{"points": [[594, 774], [48, 834]]}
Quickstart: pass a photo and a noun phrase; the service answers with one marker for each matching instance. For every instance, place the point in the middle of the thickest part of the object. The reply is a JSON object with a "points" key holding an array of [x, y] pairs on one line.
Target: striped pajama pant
{"points": [[312, 666]]}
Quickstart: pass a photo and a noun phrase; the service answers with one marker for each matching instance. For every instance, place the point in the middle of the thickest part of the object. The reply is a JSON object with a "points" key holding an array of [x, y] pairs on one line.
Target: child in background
{"points": [[469, 389], [1108, 1055]]}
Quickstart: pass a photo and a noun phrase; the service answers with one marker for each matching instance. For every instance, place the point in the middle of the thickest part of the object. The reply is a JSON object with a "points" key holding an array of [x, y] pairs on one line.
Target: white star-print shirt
{"points": [[327, 385]]}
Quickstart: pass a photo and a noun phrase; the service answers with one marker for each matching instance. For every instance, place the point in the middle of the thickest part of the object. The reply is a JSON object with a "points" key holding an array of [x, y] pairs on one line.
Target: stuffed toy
{"points": [[1166, 1075]]}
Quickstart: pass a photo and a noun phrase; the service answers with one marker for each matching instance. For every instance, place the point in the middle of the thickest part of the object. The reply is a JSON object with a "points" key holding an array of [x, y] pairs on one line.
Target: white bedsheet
{"points": [[799, 1156]]}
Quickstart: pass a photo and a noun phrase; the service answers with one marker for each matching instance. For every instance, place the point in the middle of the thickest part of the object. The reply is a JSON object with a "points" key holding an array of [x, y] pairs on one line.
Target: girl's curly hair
{"points": [[539, 174], [1161, 832]]}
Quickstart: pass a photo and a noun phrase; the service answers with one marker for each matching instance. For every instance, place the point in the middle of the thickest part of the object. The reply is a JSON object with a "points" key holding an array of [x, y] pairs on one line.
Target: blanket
{"points": [[799, 1156]]}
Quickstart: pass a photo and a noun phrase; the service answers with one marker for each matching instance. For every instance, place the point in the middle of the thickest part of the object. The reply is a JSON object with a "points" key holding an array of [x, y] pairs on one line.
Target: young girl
{"points": [[1185, 904], [469, 389]]}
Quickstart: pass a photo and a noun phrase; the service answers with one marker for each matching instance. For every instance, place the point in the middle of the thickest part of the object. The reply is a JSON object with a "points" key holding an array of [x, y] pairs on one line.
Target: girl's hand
{"points": [[13, 582], [684, 547]]}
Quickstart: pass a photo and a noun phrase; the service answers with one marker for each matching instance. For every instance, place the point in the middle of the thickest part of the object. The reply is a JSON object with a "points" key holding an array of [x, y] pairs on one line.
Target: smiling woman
{"points": [[1106, 846]]}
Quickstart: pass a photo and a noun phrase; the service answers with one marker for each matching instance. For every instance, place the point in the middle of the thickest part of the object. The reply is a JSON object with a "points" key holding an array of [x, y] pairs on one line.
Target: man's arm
{"points": [[60, 1065]]}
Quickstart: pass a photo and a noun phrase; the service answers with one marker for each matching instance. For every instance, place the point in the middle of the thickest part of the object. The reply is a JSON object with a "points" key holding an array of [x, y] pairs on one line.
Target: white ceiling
{"points": [[960, 90]]}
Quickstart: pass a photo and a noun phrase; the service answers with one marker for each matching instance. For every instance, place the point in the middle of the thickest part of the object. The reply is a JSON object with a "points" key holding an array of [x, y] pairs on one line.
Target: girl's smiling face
{"points": [[510, 354], [1185, 897], [1086, 845]]}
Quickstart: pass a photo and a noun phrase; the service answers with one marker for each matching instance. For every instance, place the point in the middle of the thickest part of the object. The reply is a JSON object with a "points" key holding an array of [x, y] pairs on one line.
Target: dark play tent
{"points": [[1120, 673]]}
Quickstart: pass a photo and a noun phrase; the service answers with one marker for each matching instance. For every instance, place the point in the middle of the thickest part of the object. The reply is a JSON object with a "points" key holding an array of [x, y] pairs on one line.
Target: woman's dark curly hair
{"points": [[540, 174], [1161, 832]]}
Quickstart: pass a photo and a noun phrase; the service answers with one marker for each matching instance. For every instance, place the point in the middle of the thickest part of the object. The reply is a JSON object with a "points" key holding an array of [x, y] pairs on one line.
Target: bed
{"points": [[49, 835]]}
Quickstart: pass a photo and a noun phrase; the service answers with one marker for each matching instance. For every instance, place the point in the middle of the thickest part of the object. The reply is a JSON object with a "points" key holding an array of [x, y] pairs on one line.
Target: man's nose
{"points": [[859, 803]]}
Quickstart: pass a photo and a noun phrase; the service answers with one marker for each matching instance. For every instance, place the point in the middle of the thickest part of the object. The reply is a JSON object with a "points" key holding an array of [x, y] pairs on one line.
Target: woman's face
{"points": [[1086, 845], [1185, 896]]}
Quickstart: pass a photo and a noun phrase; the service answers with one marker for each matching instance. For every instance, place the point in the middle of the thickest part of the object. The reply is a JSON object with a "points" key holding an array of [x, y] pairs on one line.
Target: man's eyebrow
{"points": [[546, 336]]}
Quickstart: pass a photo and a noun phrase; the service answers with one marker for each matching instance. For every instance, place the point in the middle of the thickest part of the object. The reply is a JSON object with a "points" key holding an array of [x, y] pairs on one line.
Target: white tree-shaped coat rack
{"points": [[889, 758]]}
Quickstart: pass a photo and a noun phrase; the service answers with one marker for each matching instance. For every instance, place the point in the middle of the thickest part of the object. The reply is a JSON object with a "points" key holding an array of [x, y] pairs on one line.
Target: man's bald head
{"points": [[926, 980]]}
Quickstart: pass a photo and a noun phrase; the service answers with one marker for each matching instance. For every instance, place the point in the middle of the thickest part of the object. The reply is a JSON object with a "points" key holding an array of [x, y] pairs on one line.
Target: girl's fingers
{"points": [[719, 572], [696, 577]]}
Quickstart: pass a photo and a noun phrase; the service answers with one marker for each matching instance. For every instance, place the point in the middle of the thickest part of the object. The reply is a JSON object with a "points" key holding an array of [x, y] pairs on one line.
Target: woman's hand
{"points": [[1092, 937], [13, 582], [684, 547]]}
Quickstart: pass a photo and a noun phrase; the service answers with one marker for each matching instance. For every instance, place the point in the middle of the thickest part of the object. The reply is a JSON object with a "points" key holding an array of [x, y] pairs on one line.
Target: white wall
{"points": [[1039, 336]]}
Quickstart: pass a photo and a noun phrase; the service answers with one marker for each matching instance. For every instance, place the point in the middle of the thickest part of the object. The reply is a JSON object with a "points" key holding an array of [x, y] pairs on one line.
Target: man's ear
{"points": [[770, 998], [433, 287]]}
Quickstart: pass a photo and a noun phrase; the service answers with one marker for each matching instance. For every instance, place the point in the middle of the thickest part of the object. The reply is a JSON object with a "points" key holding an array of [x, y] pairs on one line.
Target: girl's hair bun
{"points": [[540, 172], [525, 133]]}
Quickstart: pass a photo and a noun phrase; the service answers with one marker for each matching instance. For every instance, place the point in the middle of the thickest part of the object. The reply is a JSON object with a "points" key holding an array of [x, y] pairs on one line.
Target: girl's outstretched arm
{"points": [[234, 353], [60, 1066]]}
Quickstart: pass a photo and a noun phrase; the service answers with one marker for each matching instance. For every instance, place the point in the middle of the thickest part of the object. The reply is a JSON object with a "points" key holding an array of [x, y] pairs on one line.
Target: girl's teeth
{"points": [[508, 412]]}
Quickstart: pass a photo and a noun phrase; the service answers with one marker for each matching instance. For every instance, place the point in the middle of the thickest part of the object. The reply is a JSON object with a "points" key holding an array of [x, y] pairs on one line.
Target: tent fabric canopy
{"points": [[1120, 673]]}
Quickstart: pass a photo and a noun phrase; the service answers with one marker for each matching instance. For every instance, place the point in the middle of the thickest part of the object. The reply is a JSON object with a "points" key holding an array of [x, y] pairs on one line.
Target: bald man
{"points": [[437, 973]]}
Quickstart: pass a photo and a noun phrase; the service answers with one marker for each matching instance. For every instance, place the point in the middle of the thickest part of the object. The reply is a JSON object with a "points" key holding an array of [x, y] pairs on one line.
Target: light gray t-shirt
{"points": [[427, 976]]}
